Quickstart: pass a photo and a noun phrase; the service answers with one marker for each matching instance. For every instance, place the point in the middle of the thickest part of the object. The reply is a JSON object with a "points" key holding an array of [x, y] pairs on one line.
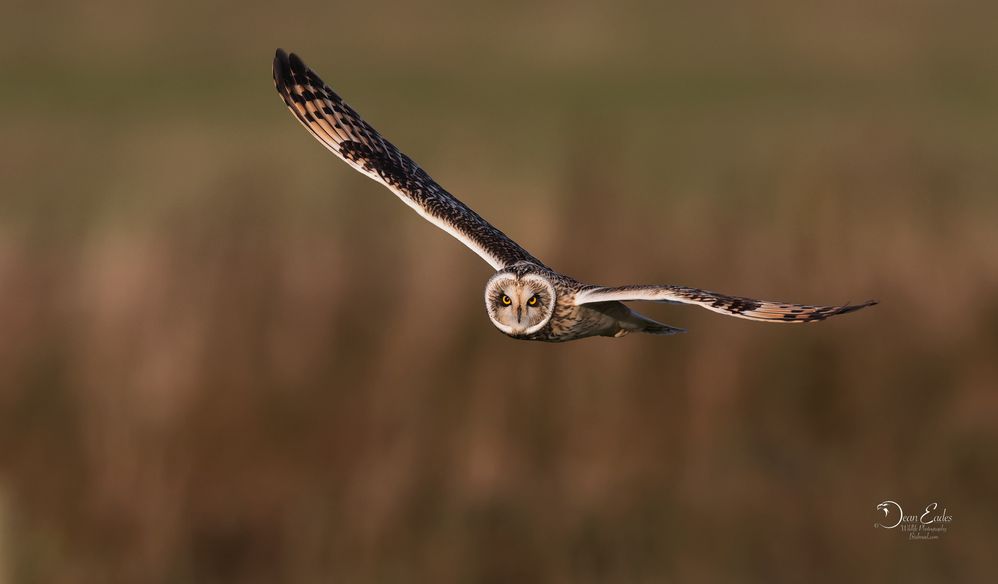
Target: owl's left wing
{"points": [[341, 129], [760, 310]]}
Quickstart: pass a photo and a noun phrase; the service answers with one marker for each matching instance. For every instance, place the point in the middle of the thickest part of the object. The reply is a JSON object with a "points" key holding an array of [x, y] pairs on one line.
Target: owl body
{"points": [[524, 298], [604, 319], [566, 319]]}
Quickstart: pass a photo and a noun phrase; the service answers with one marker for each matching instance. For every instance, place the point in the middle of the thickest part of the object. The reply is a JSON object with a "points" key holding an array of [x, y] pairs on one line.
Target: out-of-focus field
{"points": [[225, 356]]}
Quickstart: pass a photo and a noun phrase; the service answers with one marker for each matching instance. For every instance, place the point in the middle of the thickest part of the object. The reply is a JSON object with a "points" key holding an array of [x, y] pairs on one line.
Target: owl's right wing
{"points": [[340, 129]]}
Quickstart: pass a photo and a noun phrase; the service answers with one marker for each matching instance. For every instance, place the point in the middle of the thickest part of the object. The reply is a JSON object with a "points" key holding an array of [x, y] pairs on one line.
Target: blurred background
{"points": [[223, 356]]}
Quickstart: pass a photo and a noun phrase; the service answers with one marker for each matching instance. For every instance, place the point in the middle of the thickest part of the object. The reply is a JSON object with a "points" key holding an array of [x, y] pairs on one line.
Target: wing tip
{"points": [[821, 315], [290, 70], [854, 307], [298, 66], [282, 69]]}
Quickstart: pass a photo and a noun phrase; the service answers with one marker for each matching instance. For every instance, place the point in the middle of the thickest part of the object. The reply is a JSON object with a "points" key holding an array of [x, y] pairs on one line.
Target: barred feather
{"points": [[759, 310], [340, 129], [577, 310]]}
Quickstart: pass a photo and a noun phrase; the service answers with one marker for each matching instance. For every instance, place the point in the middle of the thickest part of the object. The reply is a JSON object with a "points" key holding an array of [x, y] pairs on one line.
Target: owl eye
{"points": [[505, 300], [532, 301]]}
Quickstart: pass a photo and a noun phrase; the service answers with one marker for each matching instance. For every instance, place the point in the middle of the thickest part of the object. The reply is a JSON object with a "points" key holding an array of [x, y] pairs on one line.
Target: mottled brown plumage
{"points": [[524, 298]]}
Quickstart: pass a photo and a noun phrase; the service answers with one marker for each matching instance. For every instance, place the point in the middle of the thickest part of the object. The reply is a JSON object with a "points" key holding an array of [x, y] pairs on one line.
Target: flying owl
{"points": [[524, 298]]}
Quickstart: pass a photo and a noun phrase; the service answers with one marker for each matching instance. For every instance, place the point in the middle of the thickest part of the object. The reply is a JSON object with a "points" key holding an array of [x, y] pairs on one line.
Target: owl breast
{"points": [[570, 321]]}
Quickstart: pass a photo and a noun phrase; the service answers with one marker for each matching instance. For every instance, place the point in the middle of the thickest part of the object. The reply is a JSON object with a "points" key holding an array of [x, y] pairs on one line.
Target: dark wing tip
{"points": [[853, 307], [297, 65], [281, 64], [822, 314], [282, 70]]}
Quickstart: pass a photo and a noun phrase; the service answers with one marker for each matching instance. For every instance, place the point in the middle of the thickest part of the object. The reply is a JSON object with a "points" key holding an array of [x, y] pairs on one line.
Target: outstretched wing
{"points": [[760, 310], [340, 129]]}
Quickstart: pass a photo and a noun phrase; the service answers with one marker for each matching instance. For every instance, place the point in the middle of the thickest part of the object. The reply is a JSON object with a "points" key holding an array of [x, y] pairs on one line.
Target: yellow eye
{"points": [[532, 301], [505, 300]]}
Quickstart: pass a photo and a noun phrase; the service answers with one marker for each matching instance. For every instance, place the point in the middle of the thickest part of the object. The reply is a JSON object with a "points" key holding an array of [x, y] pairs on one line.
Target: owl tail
{"points": [[636, 323]]}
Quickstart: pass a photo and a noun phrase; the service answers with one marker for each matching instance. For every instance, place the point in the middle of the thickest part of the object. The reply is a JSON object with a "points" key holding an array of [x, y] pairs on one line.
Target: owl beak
{"points": [[519, 314]]}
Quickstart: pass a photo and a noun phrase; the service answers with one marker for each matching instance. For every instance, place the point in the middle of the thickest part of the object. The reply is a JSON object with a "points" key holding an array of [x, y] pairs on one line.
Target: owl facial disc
{"points": [[519, 305]]}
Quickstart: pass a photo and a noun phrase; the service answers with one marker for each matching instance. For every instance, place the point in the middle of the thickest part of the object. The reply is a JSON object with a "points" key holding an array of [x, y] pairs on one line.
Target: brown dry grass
{"points": [[225, 357]]}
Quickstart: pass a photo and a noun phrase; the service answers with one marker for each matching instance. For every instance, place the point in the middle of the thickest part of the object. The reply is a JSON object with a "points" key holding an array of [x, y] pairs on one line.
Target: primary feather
{"points": [[524, 299], [340, 129], [749, 308]]}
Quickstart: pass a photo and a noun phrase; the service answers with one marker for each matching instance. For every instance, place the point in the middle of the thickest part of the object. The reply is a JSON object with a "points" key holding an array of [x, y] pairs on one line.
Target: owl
{"points": [[524, 299]]}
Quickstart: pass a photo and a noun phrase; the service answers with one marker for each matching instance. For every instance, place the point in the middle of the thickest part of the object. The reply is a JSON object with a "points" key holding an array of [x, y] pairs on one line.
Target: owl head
{"points": [[519, 304]]}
